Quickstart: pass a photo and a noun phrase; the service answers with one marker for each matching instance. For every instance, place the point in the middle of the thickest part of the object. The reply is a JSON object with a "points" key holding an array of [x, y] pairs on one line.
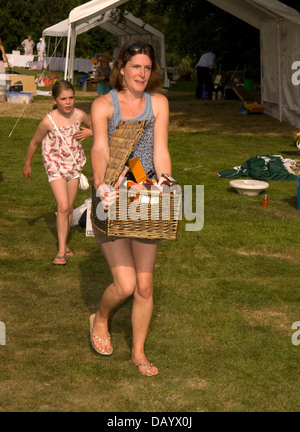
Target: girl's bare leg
{"points": [[65, 194]]}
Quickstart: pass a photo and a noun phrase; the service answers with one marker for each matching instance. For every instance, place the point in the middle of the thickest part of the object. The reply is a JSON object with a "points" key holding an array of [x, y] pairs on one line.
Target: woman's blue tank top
{"points": [[144, 147]]}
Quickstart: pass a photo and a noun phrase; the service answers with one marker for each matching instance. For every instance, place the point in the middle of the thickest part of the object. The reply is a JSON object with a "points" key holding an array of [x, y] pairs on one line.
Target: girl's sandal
{"points": [[69, 253], [60, 260]]}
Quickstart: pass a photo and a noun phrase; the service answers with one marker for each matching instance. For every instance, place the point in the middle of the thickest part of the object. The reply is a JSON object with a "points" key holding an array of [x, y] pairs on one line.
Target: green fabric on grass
{"points": [[262, 167]]}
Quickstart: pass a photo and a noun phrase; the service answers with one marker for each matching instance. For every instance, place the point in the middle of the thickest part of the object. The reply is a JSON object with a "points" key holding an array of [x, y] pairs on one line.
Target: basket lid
{"points": [[122, 142]]}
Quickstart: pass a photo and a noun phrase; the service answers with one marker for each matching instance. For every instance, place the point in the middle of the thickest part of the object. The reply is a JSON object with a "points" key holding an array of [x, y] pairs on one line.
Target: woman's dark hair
{"points": [[126, 52], [60, 86]]}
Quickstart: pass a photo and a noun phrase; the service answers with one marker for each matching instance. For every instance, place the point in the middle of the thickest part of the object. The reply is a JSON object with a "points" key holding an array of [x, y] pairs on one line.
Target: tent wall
{"points": [[279, 27], [280, 96]]}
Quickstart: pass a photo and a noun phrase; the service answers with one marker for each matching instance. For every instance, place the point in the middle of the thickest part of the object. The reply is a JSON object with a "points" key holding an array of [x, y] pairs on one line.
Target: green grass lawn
{"points": [[225, 296]]}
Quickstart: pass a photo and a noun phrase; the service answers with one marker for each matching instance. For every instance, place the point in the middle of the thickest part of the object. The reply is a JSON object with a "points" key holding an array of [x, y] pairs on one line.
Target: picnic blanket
{"points": [[265, 168]]}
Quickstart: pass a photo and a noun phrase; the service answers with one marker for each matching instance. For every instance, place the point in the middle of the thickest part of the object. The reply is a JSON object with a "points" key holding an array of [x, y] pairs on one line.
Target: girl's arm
{"points": [[84, 132], [40, 133], [161, 155]]}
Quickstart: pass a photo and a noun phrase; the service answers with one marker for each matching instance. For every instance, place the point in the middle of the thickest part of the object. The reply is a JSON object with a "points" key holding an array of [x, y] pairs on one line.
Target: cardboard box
{"points": [[28, 82], [137, 170], [91, 85]]}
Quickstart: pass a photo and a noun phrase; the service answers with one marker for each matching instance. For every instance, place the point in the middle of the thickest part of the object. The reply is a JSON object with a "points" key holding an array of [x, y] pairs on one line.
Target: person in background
{"points": [[205, 70], [61, 126], [135, 79], [41, 47], [28, 45], [3, 58], [115, 50], [102, 74]]}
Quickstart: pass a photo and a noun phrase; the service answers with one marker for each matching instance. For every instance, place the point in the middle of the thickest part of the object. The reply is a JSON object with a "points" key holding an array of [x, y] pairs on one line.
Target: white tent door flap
{"points": [[279, 27]]}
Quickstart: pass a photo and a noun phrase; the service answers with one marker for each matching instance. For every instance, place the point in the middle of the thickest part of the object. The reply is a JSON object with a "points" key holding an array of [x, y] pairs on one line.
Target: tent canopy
{"points": [[256, 12], [279, 27], [95, 13]]}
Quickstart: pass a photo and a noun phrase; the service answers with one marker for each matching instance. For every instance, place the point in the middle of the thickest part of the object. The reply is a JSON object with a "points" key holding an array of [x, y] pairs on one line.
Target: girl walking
{"points": [[61, 135]]}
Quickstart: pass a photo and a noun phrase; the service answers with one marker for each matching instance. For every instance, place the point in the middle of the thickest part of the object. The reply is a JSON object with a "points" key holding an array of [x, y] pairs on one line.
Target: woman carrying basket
{"points": [[135, 77]]}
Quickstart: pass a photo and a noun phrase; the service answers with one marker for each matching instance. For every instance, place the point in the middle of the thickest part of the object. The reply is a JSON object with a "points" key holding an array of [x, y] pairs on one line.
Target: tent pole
{"points": [[279, 72], [68, 50], [262, 77], [72, 55]]}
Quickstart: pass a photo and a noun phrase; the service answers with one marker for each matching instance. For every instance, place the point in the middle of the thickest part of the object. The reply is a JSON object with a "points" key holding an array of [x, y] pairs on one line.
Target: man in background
{"points": [[28, 45], [205, 70]]}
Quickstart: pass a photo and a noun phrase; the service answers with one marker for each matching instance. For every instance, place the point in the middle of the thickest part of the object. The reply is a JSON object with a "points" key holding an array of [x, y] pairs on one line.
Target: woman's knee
{"points": [[126, 287], [144, 289]]}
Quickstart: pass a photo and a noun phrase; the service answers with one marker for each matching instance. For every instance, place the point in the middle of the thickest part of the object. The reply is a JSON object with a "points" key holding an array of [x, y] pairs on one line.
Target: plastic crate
{"points": [[19, 97]]}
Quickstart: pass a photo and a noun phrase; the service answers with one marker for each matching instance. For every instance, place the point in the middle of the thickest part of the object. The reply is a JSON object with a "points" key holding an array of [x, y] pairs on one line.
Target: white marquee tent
{"points": [[279, 27], [99, 13]]}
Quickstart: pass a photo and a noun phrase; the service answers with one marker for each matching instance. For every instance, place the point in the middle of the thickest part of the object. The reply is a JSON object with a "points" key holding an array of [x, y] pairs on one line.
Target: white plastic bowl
{"points": [[249, 187]]}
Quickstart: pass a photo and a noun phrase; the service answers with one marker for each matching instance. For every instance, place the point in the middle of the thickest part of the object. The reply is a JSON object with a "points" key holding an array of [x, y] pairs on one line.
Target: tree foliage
{"points": [[196, 26], [190, 28], [19, 18], [295, 4]]}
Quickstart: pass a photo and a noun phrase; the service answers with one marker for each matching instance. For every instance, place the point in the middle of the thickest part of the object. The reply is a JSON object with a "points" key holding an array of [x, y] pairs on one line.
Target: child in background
{"points": [[63, 173]]}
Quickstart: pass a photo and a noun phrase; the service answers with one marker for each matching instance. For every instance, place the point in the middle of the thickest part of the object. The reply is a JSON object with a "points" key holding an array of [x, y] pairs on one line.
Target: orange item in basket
{"points": [[133, 185], [137, 170]]}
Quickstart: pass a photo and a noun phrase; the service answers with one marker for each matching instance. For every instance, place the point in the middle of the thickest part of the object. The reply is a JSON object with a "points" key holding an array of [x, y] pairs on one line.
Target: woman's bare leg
{"points": [[144, 257], [132, 264], [119, 258]]}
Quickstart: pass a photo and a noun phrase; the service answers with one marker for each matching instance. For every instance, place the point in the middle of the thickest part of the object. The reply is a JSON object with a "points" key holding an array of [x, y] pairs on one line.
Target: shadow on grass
{"points": [[50, 221], [95, 277], [292, 201]]}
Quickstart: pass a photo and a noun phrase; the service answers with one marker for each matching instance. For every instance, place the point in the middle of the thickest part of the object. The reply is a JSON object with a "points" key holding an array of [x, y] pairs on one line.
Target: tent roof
{"points": [[256, 12], [128, 27], [91, 10], [100, 13]]}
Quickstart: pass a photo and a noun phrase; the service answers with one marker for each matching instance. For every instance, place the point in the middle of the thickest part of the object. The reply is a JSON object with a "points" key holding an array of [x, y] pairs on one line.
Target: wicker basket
{"points": [[148, 215]]}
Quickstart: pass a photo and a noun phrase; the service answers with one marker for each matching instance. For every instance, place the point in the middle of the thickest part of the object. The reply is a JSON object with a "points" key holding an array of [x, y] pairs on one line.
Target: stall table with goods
{"points": [[51, 63]]}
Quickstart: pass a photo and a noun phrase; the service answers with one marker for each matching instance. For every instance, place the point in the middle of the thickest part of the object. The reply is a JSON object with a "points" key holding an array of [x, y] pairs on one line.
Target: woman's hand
{"points": [[107, 195]]}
